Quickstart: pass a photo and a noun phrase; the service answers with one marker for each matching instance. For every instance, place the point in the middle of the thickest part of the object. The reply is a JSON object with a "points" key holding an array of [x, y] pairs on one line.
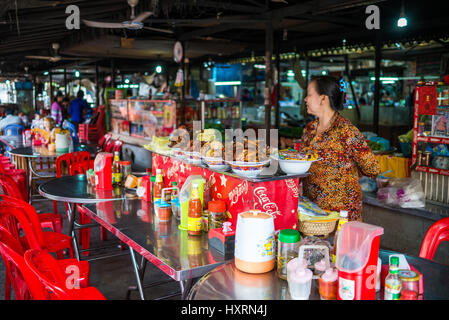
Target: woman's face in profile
{"points": [[313, 100]]}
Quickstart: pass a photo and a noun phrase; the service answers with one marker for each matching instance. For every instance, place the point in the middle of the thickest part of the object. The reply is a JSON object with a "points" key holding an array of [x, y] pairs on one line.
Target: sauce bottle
{"points": [[158, 186], [116, 170], [393, 283], [195, 212], [343, 219], [328, 284]]}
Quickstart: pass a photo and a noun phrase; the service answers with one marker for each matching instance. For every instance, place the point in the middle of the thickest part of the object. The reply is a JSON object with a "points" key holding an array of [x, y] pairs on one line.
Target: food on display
{"points": [[292, 154]]}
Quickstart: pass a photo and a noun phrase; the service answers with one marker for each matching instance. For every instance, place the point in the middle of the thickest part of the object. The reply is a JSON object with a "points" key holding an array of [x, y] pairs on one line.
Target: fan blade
{"points": [[39, 57], [159, 30], [106, 25], [143, 16]]}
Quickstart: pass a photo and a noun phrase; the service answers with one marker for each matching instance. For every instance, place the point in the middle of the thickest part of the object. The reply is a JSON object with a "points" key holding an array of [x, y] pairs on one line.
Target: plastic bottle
{"points": [[195, 212], [174, 201], [343, 219], [393, 283], [328, 284], [300, 283], [158, 186], [116, 170]]}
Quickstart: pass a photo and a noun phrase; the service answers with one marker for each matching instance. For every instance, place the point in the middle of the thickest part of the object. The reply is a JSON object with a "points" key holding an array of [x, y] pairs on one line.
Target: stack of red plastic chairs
{"points": [[30, 269], [18, 175]]}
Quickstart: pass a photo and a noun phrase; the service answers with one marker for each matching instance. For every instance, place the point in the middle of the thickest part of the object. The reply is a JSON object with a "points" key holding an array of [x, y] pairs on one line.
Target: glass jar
{"points": [[205, 221], [126, 169], [217, 214], [409, 280], [288, 245]]}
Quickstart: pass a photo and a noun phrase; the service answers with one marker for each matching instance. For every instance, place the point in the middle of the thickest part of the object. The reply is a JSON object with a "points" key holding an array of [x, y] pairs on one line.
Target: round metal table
{"points": [[228, 283], [73, 190]]}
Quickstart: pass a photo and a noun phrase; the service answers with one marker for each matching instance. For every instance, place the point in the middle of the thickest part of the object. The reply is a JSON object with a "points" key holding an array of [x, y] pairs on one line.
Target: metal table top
{"points": [[172, 250], [228, 283], [75, 189], [34, 152]]}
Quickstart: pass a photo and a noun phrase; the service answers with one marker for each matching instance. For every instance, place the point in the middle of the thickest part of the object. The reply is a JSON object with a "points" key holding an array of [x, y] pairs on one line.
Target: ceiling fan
{"points": [[136, 23], [56, 57]]}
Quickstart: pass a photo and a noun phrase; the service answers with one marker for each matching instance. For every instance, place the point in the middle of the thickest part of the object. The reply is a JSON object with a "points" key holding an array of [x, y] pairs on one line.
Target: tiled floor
{"points": [[111, 276]]}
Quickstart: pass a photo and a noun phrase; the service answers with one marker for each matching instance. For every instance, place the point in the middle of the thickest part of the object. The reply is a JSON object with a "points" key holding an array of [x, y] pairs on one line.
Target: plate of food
{"points": [[249, 157], [294, 162]]}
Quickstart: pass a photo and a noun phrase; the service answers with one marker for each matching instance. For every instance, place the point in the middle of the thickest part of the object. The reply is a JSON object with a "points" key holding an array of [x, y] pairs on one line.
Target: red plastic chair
{"points": [[15, 211], [437, 233], [19, 176], [104, 141], [53, 281], [7, 239], [48, 220]]}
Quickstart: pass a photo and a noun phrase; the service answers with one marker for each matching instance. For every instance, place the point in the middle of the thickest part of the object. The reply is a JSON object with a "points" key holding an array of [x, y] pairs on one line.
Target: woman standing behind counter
{"points": [[333, 182]]}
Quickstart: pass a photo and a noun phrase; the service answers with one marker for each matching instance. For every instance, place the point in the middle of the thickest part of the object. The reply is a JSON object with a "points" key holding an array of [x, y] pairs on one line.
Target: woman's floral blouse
{"points": [[333, 182]]}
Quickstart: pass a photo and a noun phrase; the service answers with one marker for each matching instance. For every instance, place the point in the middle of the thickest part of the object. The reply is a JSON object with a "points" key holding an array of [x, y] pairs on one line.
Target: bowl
{"points": [[192, 157], [217, 164], [247, 169], [295, 166]]}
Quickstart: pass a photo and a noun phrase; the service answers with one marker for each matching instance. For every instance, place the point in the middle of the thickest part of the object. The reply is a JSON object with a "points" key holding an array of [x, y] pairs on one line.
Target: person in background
{"points": [[76, 108], [65, 107], [24, 118], [10, 119], [56, 109]]}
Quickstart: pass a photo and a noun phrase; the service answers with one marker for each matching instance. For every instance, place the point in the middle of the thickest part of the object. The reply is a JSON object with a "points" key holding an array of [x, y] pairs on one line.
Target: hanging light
{"points": [[402, 21]]}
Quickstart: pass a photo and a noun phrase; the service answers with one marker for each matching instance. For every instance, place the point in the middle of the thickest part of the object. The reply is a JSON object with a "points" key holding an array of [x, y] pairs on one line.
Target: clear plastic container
{"points": [[288, 245], [300, 283]]}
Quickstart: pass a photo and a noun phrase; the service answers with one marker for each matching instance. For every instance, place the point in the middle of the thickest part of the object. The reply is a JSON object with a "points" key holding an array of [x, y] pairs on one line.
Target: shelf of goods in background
{"points": [[430, 151]]}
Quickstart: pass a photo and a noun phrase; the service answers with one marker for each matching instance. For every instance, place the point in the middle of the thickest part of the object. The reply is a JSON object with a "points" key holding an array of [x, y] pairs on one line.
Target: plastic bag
{"points": [[309, 208], [367, 184], [404, 193]]}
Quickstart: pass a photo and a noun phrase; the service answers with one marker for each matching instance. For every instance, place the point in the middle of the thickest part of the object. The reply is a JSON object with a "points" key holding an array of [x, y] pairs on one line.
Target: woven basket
{"points": [[317, 228]]}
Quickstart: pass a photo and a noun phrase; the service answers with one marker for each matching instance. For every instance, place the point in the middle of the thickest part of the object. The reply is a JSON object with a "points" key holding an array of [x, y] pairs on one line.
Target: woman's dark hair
{"points": [[58, 94], [80, 94], [329, 86]]}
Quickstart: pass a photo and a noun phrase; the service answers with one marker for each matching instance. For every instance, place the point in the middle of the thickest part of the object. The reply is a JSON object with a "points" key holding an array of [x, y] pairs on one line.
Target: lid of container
{"points": [[174, 183], [408, 275], [394, 261], [217, 206], [301, 274], [408, 295], [125, 163], [320, 265], [289, 236], [330, 275], [153, 179], [159, 171], [343, 214]]}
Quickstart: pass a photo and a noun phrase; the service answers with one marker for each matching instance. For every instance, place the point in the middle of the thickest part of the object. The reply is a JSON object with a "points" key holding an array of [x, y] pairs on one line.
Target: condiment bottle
{"points": [[158, 186], [320, 267], [116, 170], [195, 212], [300, 283], [328, 284], [126, 169], [409, 280], [217, 213], [288, 245], [392, 281], [343, 219], [174, 201]]}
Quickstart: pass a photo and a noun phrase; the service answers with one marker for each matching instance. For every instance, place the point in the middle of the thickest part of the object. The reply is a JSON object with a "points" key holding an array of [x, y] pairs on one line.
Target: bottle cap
{"points": [[301, 275], [153, 179], [394, 261], [289, 236], [158, 171], [343, 214], [320, 265], [125, 163], [174, 183], [217, 206], [408, 275], [194, 185]]}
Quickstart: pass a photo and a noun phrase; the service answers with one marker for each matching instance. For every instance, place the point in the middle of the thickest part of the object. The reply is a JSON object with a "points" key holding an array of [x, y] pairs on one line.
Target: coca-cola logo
{"points": [[235, 194], [267, 205], [291, 184]]}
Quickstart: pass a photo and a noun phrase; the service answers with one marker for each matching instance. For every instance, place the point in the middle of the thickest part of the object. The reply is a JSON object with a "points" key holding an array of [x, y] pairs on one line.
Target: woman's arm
{"points": [[361, 153]]}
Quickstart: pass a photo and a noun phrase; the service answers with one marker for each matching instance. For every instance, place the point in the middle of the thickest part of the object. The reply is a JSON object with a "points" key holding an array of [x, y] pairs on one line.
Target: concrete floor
{"points": [[111, 276]]}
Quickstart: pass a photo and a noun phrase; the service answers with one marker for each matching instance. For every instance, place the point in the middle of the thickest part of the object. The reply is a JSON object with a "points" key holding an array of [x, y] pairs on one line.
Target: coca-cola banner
{"points": [[278, 198]]}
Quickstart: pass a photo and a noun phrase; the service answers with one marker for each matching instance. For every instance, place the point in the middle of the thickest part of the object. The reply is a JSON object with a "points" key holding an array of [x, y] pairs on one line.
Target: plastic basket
{"points": [[317, 228]]}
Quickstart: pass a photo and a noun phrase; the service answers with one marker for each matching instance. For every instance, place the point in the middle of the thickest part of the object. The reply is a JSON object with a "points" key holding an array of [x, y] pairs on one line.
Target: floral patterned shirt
{"points": [[332, 182]]}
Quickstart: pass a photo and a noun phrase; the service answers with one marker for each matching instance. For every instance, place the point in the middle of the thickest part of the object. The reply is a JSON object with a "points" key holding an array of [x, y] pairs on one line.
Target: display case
{"points": [[142, 118], [430, 152]]}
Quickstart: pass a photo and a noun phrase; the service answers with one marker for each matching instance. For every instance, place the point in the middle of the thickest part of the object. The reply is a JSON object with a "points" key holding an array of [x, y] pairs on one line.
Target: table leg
{"points": [[185, 285], [72, 213], [137, 273]]}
